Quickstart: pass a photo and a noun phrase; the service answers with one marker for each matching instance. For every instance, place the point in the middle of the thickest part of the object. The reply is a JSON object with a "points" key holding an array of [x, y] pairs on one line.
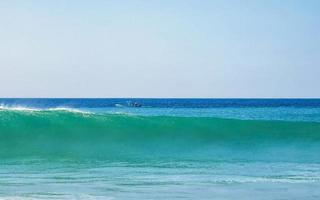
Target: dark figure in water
{"points": [[136, 104]]}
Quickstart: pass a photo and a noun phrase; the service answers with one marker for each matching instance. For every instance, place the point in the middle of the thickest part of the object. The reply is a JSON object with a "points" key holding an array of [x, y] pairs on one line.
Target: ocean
{"points": [[247, 149]]}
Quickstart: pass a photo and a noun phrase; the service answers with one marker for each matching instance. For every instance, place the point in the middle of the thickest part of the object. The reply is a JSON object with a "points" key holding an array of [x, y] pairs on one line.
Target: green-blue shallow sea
{"points": [[159, 149]]}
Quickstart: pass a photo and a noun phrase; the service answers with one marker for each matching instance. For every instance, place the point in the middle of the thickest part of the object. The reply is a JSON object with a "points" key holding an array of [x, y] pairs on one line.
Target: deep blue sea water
{"points": [[159, 149]]}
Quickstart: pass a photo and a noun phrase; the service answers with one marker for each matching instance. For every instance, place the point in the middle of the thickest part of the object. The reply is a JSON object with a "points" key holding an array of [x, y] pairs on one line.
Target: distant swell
{"points": [[64, 133]]}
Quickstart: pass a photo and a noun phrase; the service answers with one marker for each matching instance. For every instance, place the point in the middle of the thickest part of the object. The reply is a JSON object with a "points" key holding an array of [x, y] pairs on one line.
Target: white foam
{"points": [[17, 108], [66, 109], [28, 109]]}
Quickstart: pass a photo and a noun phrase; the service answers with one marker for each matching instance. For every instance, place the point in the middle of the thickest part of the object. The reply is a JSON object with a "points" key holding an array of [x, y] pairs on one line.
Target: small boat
{"points": [[134, 104]]}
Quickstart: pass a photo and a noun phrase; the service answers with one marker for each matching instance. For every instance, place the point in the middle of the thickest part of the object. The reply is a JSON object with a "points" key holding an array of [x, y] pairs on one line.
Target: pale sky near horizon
{"points": [[164, 48]]}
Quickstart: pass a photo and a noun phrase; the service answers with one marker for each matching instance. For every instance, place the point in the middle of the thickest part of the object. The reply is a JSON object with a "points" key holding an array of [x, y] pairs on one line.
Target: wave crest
{"points": [[29, 109]]}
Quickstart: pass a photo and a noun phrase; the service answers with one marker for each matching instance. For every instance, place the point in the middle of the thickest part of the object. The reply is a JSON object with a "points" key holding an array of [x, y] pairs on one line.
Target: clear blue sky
{"points": [[164, 48]]}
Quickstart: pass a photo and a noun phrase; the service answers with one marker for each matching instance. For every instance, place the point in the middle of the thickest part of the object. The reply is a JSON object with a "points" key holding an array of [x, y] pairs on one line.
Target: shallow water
{"points": [[38, 179]]}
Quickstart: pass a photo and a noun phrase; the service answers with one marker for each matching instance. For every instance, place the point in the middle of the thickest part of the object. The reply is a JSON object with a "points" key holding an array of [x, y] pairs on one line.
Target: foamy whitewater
{"points": [[160, 149]]}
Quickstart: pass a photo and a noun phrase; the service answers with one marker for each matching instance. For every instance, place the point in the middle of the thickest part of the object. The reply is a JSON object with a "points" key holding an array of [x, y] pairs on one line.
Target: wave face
{"points": [[69, 134]]}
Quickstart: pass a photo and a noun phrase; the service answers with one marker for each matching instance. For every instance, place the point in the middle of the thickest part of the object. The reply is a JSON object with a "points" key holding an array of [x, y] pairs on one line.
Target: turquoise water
{"points": [[244, 151]]}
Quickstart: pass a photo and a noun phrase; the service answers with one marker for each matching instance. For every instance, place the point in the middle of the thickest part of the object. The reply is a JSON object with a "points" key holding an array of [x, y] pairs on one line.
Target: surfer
{"points": [[134, 104]]}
